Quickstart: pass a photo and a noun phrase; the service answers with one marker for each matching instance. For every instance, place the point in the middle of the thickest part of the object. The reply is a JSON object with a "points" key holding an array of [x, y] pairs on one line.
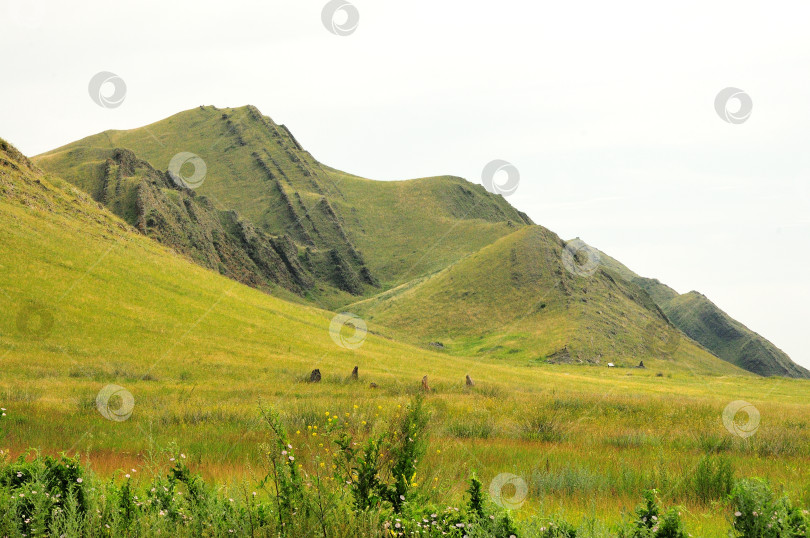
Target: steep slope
{"points": [[516, 299], [703, 321], [289, 223], [353, 234], [174, 215]]}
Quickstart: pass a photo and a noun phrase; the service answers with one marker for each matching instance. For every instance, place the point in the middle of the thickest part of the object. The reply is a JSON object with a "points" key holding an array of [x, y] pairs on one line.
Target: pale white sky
{"points": [[606, 108]]}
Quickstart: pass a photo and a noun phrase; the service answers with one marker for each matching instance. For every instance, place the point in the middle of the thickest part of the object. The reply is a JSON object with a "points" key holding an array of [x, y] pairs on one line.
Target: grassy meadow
{"points": [[88, 303]]}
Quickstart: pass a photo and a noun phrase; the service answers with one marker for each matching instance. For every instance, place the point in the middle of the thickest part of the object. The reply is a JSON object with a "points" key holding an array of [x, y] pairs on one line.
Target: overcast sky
{"points": [[607, 109]]}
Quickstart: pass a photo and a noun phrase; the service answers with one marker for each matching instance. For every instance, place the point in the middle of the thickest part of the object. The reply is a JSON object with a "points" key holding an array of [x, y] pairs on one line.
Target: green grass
{"points": [[201, 353]]}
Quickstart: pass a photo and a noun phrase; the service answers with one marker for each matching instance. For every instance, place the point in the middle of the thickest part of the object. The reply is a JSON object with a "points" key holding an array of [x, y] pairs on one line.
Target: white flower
{"points": [[79, 480]]}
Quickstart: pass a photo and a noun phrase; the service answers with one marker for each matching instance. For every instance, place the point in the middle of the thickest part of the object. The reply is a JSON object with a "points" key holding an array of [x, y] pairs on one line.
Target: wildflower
{"points": [[79, 480], [737, 513], [183, 456], [126, 475]]}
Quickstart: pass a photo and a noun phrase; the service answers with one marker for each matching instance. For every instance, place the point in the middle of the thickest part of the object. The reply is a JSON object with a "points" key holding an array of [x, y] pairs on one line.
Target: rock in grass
{"points": [[315, 376]]}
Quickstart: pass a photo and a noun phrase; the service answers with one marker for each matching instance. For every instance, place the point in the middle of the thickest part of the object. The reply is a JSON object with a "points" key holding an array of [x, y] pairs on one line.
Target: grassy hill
{"points": [[704, 322], [352, 233], [516, 299], [88, 301], [406, 253]]}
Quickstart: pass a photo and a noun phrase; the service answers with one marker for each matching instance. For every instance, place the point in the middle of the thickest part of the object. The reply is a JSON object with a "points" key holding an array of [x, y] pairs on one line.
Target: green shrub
{"points": [[758, 513], [649, 523]]}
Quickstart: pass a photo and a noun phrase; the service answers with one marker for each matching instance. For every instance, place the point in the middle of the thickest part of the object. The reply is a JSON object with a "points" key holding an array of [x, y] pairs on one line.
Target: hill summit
{"points": [[434, 261]]}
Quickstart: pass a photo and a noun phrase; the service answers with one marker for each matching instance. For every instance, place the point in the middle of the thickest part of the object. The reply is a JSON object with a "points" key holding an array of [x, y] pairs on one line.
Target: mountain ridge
{"points": [[358, 238]]}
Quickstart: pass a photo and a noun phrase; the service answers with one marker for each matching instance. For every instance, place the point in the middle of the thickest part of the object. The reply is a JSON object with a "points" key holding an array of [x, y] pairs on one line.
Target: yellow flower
{"points": [[323, 464], [298, 432], [364, 423], [355, 407], [314, 434]]}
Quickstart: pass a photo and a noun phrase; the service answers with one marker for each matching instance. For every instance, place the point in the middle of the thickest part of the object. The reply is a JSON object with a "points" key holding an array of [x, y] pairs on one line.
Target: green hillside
{"points": [[516, 299], [437, 260], [87, 301], [704, 322], [353, 234]]}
